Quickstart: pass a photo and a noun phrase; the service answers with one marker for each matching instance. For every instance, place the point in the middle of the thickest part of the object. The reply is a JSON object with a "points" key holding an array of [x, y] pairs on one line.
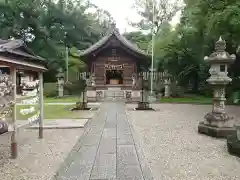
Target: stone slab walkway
{"points": [[107, 150]]}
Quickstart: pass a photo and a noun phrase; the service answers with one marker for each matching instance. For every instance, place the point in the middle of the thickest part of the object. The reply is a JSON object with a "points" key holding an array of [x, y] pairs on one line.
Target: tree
{"points": [[140, 39], [48, 27], [182, 51], [155, 12]]}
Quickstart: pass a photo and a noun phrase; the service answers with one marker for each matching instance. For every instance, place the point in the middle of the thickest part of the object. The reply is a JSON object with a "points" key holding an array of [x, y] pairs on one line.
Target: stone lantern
{"points": [[218, 123], [60, 82]]}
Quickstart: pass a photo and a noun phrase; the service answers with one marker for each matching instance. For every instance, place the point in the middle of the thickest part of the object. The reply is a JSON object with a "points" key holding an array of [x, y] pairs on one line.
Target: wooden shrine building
{"points": [[113, 63]]}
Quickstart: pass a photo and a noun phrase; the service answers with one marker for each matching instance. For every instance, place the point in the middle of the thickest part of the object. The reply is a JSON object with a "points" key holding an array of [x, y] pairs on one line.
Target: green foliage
{"points": [[140, 39], [49, 26], [155, 13], [50, 90], [74, 87], [181, 50]]}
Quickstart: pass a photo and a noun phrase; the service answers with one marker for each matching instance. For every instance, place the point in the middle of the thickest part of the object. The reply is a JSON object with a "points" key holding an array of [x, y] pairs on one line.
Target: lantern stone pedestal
{"points": [[143, 105], [60, 83], [218, 123], [233, 142], [167, 83]]}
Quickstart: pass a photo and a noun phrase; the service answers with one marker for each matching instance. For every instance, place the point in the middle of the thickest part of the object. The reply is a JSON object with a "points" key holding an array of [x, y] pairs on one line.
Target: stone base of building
{"points": [[113, 93], [218, 132], [233, 144]]}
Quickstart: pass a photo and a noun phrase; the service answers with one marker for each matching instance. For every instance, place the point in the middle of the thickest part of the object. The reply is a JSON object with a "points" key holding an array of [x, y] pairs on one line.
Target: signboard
{"points": [[114, 67], [32, 101]]}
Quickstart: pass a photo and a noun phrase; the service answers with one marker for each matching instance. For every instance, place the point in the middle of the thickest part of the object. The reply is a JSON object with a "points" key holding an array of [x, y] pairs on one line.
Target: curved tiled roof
{"points": [[12, 47], [122, 39]]}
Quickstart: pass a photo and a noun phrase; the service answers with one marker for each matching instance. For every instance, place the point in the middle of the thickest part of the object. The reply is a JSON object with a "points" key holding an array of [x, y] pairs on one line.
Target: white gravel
{"points": [[174, 149], [37, 159]]}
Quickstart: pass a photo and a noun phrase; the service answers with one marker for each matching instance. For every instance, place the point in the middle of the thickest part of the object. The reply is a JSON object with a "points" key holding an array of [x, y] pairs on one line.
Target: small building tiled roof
{"points": [[114, 32], [17, 48], [13, 47]]}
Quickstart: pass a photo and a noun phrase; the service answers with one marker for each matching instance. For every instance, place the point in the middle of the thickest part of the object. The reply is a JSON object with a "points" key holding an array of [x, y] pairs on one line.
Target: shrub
{"points": [[50, 89], [75, 87]]}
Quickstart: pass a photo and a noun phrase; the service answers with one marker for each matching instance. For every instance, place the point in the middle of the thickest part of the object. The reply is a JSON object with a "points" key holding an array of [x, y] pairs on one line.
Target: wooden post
{"points": [[13, 137], [40, 75]]}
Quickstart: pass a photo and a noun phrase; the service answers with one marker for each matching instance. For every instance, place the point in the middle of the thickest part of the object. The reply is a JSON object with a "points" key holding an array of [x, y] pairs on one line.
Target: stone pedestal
{"points": [[91, 96], [167, 83], [143, 106], [218, 123], [60, 83], [167, 89], [99, 95], [233, 142], [136, 95], [60, 90], [218, 132]]}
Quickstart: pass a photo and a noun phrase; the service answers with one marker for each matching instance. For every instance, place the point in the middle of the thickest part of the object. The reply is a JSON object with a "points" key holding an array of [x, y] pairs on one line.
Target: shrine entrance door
{"points": [[114, 77]]}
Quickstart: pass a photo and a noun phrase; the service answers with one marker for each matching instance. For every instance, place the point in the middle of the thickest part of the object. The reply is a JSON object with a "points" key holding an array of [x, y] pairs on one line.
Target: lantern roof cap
{"points": [[220, 55]]}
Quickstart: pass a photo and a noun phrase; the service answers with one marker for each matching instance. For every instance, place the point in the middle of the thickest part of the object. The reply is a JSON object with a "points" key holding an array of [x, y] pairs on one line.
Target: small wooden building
{"points": [[15, 58], [16, 50], [114, 63]]}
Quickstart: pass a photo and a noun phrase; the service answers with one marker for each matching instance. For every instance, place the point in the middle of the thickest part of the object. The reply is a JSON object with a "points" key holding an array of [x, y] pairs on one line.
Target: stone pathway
{"points": [[106, 151]]}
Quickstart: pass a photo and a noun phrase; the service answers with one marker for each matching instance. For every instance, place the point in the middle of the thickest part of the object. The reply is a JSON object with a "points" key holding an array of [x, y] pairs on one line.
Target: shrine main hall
{"points": [[114, 64]]}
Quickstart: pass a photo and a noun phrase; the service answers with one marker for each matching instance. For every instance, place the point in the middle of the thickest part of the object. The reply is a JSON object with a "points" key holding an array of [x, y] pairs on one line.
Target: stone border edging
{"points": [[146, 170]]}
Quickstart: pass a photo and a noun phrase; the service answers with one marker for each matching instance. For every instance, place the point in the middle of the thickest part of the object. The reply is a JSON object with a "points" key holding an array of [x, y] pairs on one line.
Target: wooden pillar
{"points": [[41, 118], [13, 136]]}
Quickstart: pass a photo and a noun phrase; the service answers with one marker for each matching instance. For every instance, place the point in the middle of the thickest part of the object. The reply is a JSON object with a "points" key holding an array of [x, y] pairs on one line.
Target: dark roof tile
{"points": [[121, 38]]}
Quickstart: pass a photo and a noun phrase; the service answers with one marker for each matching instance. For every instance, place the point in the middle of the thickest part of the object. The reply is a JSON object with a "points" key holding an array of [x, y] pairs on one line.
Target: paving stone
{"points": [[109, 132], [107, 145], [126, 155], [124, 139], [129, 173], [82, 172], [82, 165], [104, 167], [95, 130], [110, 124], [91, 139], [123, 131]]}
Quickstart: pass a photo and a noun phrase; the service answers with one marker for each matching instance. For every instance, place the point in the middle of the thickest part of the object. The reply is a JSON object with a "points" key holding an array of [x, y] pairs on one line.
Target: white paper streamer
{"points": [[33, 93], [30, 101], [30, 93], [27, 110], [34, 118]]}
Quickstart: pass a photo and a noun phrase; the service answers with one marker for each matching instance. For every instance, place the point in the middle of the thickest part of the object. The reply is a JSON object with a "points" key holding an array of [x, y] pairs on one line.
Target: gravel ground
{"points": [[174, 149], [37, 159]]}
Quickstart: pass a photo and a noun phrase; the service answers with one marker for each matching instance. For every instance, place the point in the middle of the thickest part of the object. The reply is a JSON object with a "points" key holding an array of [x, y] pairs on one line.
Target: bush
{"points": [[50, 89], [72, 88], [51, 94], [176, 90]]}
